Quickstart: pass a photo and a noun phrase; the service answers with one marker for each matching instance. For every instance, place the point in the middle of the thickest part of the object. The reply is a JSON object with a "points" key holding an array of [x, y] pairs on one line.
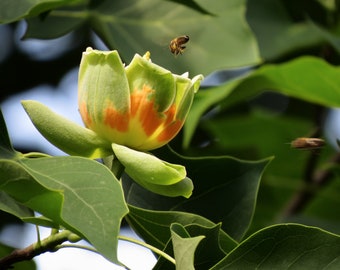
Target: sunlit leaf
{"points": [[307, 78], [80, 194]]}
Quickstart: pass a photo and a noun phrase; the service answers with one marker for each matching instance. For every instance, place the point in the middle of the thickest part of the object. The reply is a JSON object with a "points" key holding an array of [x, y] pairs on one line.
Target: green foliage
{"points": [[184, 246], [15, 10], [76, 193], [237, 185], [300, 78], [288, 246], [139, 26], [232, 183]]}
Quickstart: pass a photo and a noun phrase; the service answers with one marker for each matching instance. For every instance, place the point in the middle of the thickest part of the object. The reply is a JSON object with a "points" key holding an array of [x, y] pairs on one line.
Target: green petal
{"points": [[144, 167], [184, 96], [143, 72], [102, 80]]}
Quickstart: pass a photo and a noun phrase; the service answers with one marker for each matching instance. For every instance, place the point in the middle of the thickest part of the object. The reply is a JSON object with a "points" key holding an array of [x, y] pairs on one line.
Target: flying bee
{"points": [[307, 143], [176, 45]]}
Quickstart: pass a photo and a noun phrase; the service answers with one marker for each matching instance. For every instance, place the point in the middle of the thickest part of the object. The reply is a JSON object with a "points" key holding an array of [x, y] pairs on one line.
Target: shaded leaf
{"points": [[208, 252], [11, 206], [41, 221], [51, 27], [223, 181], [274, 26], [192, 4], [287, 246], [136, 27], [154, 226], [11, 11]]}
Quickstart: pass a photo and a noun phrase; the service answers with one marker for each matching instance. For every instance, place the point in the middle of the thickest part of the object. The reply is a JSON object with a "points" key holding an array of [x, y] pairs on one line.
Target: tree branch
{"points": [[312, 185], [48, 244]]}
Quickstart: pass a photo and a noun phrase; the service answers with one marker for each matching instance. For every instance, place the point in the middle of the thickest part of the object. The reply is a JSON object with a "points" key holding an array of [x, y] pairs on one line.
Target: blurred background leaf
{"points": [[148, 25]]}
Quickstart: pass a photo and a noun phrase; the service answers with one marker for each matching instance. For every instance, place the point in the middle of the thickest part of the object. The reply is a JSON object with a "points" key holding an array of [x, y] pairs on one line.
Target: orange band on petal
{"points": [[170, 131], [143, 106], [116, 120]]}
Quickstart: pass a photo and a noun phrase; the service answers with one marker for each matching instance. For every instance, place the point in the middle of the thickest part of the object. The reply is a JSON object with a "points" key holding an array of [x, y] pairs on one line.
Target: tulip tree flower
{"points": [[142, 106], [127, 111]]}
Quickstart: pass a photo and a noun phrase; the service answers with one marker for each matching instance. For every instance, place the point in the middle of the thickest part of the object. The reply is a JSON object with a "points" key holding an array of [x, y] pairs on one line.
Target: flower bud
{"points": [[142, 106]]}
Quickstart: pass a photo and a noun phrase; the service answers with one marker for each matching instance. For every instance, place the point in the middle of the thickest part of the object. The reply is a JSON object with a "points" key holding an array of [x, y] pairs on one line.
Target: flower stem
{"points": [[114, 165], [152, 248]]}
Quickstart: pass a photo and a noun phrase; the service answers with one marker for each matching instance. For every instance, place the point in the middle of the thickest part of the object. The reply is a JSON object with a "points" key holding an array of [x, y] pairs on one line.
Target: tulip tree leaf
{"points": [[136, 27], [208, 252], [222, 180], [69, 190], [273, 26], [184, 246], [203, 100], [11, 206], [11, 11], [154, 226], [288, 246], [65, 134], [192, 4], [300, 78], [41, 221]]}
